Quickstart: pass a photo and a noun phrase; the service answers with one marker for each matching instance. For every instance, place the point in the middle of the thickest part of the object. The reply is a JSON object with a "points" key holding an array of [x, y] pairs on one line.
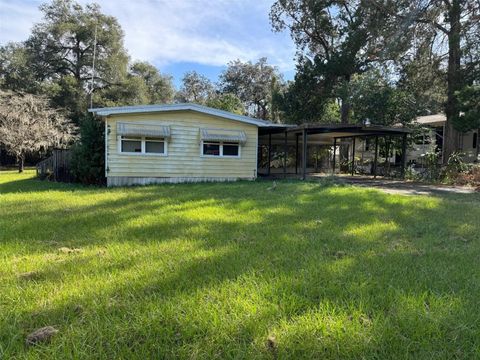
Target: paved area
{"points": [[389, 186], [402, 187]]}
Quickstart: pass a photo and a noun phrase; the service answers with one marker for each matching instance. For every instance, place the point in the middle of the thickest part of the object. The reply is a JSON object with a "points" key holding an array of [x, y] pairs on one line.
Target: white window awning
{"points": [[223, 135], [135, 129]]}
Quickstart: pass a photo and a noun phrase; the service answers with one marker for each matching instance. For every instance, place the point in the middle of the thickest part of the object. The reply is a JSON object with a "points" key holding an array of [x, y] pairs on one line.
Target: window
{"points": [[222, 149], [131, 145], [211, 149], [230, 149], [154, 145], [475, 140], [143, 145]]}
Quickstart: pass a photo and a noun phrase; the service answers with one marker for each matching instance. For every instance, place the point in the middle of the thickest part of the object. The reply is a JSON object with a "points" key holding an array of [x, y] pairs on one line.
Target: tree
{"points": [[377, 100], [157, 88], [15, 71], [61, 52], [254, 84], [421, 75], [196, 88], [226, 102], [335, 40], [469, 105], [28, 124], [88, 154], [451, 27]]}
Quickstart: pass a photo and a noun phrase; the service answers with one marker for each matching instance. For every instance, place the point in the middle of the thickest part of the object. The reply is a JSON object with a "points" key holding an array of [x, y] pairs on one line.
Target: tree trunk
{"points": [[454, 82], [21, 162]]}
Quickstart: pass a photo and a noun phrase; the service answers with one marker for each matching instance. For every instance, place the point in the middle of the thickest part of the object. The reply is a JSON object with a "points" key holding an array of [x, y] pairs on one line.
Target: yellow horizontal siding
{"points": [[183, 159]]}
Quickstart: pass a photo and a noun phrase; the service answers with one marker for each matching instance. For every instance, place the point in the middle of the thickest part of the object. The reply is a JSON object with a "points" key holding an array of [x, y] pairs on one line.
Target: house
{"points": [[178, 143], [191, 143], [431, 139]]}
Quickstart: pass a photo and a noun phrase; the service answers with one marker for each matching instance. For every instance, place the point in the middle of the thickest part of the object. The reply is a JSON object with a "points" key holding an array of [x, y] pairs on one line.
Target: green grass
{"points": [[215, 270]]}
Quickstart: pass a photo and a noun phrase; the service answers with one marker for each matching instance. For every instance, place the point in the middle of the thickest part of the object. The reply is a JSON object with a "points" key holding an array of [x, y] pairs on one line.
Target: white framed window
{"points": [[220, 149], [140, 145]]}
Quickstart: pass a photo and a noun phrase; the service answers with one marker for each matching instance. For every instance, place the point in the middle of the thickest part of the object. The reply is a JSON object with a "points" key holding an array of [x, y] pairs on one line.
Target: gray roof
{"points": [[182, 107], [431, 119]]}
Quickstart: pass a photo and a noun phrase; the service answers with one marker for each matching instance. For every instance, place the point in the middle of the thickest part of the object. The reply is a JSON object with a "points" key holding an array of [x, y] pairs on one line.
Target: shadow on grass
{"points": [[214, 269]]}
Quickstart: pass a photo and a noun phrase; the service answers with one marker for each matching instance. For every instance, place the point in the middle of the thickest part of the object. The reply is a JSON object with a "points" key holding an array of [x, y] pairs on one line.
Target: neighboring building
{"points": [[432, 139], [178, 143]]}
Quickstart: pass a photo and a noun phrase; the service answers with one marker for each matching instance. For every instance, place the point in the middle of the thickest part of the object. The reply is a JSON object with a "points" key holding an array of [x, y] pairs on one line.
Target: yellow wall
{"points": [[184, 159]]}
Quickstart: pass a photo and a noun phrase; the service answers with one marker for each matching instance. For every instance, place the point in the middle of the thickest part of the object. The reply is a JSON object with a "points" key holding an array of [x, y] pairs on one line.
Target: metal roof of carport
{"points": [[331, 131], [348, 130]]}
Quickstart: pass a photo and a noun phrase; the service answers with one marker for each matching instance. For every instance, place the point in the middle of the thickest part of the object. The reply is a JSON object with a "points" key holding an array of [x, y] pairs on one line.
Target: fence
{"points": [[56, 167]]}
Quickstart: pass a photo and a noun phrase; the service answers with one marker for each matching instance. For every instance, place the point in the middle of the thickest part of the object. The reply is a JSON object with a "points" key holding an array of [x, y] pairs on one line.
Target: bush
{"points": [[455, 166], [469, 177], [88, 155]]}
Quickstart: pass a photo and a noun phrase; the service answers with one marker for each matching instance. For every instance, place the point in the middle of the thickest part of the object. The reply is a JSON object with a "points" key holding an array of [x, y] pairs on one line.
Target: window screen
{"points": [[156, 146], [212, 149], [230, 149], [132, 145]]}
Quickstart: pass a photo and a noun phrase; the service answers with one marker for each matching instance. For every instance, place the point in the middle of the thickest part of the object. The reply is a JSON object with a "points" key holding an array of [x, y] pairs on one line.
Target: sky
{"points": [[179, 35]]}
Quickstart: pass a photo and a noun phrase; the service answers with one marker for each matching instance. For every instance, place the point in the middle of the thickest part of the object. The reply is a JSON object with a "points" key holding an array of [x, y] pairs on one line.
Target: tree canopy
{"points": [[28, 124]]}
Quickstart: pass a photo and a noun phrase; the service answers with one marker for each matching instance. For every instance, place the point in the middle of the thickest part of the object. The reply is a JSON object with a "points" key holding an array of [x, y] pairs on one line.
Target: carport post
{"points": [[304, 156], [285, 153], [269, 153], [375, 158], [334, 153], [404, 156], [296, 154], [353, 156]]}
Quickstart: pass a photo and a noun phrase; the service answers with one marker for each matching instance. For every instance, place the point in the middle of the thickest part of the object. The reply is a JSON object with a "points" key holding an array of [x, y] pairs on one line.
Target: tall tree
{"points": [[254, 84], [226, 102], [450, 27], [335, 39], [62, 47], [28, 124], [376, 99], [196, 88], [158, 88], [16, 74]]}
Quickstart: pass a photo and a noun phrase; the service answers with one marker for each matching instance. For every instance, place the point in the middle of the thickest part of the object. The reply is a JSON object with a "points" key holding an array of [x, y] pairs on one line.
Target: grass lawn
{"points": [[237, 271]]}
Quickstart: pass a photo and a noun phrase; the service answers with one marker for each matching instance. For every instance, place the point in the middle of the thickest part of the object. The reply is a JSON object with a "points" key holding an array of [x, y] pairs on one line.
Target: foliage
{"points": [[28, 124], [470, 177], [236, 271], [157, 88], [254, 84], [15, 71], [88, 155], [469, 104], [455, 166], [422, 75], [196, 88], [432, 168], [374, 99], [63, 45], [57, 59], [226, 102], [335, 40], [446, 27]]}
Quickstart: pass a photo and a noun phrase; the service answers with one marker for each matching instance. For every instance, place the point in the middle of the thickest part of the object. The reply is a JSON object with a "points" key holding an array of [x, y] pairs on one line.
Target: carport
{"points": [[295, 140]]}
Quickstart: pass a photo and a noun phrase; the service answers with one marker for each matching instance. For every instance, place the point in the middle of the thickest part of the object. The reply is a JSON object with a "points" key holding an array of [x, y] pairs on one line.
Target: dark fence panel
{"points": [[56, 167]]}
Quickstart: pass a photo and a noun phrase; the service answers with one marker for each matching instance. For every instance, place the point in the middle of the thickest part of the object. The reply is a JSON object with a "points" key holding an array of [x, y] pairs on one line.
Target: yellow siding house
{"points": [[178, 143]]}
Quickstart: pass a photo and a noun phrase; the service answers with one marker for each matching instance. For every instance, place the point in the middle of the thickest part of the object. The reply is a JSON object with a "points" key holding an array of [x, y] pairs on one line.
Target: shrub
{"points": [[88, 155], [469, 177], [455, 166]]}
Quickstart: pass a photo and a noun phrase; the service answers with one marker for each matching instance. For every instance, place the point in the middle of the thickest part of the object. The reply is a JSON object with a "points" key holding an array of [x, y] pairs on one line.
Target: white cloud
{"points": [[168, 31]]}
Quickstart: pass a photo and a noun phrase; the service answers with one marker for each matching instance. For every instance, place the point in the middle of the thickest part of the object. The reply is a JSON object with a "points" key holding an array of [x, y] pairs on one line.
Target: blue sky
{"points": [[179, 35]]}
